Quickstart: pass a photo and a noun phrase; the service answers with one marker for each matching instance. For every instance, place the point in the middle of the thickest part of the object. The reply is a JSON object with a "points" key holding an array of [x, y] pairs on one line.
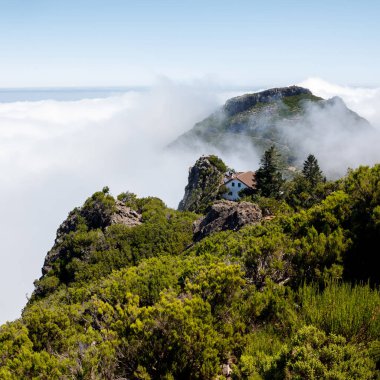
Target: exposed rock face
{"points": [[226, 215], [121, 215], [125, 215], [245, 102], [205, 178], [68, 225]]}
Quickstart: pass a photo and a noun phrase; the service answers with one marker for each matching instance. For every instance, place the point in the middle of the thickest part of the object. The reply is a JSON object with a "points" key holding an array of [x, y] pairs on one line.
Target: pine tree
{"points": [[311, 171], [268, 176]]}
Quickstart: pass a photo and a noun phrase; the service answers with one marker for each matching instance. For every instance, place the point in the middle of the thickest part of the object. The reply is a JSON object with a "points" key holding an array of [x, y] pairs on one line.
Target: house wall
{"points": [[234, 187]]}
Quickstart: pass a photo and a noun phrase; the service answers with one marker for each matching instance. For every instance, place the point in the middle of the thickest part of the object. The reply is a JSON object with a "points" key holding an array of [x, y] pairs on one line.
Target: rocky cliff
{"points": [[203, 187]]}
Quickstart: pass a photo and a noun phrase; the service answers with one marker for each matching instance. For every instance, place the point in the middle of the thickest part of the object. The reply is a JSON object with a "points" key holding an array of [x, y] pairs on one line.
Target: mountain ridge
{"points": [[259, 120], [243, 102]]}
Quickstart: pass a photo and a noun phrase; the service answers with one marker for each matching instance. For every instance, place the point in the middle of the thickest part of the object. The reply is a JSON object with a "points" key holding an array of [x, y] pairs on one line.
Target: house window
{"points": [[233, 183], [230, 193], [239, 184]]}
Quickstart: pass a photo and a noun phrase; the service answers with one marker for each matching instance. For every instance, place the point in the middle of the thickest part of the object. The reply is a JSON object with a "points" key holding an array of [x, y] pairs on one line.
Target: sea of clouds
{"points": [[54, 154]]}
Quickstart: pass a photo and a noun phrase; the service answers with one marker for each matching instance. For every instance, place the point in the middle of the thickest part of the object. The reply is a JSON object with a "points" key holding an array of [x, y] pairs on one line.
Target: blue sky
{"points": [[48, 43]]}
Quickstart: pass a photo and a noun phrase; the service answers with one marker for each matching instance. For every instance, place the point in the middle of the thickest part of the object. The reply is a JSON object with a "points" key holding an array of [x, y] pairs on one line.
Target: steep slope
{"points": [[268, 118], [106, 234], [203, 187]]}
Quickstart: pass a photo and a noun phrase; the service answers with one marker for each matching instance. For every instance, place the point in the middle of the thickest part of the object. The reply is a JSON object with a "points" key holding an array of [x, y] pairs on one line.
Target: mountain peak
{"points": [[242, 103], [282, 116]]}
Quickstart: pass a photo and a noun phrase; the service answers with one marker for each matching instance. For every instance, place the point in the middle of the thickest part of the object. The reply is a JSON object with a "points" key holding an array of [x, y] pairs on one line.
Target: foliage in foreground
{"points": [[295, 297]]}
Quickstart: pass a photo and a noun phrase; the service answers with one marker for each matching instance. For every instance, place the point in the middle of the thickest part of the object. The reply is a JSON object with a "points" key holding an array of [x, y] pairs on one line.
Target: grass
{"points": [[341, 308], [295, 103]]}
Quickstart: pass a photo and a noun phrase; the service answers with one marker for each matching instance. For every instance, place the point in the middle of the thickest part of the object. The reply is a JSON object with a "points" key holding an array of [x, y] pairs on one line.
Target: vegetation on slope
{"points": [[261, 125], [267, 118], [294, 297]]}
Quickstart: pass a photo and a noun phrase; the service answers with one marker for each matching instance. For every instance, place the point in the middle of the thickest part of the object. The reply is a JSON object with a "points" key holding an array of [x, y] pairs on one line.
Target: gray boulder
{"points": [[226, 215]]}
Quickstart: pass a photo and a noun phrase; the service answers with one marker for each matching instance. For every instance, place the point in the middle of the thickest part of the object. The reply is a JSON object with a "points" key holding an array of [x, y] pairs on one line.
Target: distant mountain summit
{"points": [[245, 102], [278, 116]]}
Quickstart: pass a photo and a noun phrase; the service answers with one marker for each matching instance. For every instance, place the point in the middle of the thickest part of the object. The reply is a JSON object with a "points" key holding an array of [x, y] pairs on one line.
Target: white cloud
{"points": [[337, 139], [331, 135], [364, 101], [53, 155]]}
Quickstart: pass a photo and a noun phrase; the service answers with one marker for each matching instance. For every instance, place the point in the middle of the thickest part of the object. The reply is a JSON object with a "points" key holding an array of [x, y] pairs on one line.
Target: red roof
{"points": [[248, 178]]}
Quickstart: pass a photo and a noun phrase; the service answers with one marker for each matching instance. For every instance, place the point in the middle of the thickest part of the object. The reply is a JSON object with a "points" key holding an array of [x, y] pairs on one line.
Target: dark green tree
{"points": [[311, 171], [308, 187], [268, 176]]}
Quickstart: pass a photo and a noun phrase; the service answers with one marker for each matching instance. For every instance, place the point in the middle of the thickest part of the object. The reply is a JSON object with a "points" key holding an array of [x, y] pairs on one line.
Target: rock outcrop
{"points": [[205, 178], [120, 214], [226, 215], [125, 215]]}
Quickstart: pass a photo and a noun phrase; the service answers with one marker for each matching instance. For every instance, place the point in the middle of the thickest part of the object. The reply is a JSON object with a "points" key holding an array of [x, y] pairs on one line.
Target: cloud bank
{"points": [[54, 154], [364, 101], [332, 135]]}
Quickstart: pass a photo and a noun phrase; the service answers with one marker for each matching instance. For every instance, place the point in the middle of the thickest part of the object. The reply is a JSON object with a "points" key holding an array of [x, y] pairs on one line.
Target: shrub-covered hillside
{"points": [[293, 297]]}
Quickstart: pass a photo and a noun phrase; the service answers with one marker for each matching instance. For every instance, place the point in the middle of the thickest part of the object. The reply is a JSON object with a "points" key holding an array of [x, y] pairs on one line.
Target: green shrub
{"points": [[129, 199], [312, 354], [344, 309], [218, 163], [260, 353], [98, 209]]}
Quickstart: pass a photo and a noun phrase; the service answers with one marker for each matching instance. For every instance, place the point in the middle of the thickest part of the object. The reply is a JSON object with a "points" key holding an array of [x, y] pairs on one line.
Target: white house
{"points": [[236, 182]]}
